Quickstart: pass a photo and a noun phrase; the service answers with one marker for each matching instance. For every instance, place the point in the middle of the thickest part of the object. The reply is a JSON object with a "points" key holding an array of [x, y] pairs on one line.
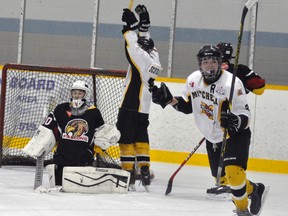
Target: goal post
{"points": [[30, 92]]}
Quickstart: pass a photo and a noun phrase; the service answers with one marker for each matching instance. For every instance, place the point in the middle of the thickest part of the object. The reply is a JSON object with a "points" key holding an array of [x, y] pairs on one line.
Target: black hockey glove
{"points": [[144, 22], [162, 95], [130, 19], [233, 123]]}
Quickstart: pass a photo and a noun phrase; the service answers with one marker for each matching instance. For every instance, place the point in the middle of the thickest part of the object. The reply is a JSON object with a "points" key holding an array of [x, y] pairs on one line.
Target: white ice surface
{"points": [[188, 197]]}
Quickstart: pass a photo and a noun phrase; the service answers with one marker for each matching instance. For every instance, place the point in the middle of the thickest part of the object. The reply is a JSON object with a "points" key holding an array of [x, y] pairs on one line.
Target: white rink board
{"points": [[175, 131]]}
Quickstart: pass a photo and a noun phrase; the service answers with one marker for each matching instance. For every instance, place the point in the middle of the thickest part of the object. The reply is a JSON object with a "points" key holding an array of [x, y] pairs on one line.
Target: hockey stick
{"points": [[39, 171], [40, 160], [249, 4], [131, 4], [170, 182]]}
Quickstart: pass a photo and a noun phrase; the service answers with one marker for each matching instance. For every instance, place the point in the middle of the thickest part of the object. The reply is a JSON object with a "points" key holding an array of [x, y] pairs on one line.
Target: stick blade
{"points": [[169, 187]]}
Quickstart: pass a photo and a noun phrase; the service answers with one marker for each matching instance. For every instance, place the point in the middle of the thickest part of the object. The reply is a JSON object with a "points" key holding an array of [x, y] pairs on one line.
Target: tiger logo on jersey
{"points": [[207, 110], [76, 130]]}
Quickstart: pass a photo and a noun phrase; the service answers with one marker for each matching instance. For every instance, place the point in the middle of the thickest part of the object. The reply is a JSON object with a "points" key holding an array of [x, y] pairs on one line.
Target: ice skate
{"points": [[223, 192], [131, 186], [145, 174], [258, 197]]}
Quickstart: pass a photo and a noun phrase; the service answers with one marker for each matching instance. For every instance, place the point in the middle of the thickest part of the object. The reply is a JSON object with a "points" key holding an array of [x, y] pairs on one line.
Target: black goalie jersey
{"points": [[74, 134]]}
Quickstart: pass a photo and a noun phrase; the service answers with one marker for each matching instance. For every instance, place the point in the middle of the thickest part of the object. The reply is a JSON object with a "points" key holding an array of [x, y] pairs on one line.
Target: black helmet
{"points": [[210, 52], [146, 43], [226, 50]]}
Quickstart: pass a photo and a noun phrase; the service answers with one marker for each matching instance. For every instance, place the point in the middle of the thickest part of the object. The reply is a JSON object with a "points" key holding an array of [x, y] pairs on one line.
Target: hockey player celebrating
{"points": [[75, 126], [206, 92], [133, 117], [252, 83]]}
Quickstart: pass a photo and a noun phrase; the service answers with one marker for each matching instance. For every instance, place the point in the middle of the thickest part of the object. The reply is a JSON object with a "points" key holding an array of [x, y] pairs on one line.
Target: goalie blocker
{"points": [[91, 179], [41, 143]]}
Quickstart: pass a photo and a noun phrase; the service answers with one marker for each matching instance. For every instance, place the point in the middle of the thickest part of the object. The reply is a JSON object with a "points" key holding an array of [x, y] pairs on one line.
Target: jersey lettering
{"points": [[205, 95], [48, 121], [212, 89], [154, 70]]}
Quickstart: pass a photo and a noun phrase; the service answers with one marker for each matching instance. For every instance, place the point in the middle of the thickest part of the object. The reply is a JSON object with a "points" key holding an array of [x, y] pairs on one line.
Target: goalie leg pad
{"points": [[95, 180], [51, 174]]}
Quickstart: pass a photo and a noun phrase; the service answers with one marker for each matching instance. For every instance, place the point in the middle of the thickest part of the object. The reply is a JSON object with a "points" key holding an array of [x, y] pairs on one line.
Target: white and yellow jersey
{"points": [[207, 102], [142, 71]]}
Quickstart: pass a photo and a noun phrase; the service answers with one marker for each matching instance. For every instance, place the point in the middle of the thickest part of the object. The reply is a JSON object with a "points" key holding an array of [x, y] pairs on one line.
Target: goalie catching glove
{"points": [[106, 136], [162, 95]]}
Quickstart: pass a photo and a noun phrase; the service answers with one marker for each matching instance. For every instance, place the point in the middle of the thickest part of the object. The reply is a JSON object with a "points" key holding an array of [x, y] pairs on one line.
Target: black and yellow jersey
{"points": [[142, 71]]}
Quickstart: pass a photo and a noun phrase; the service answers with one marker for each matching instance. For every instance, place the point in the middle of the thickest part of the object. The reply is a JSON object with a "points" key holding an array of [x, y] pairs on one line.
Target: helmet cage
{"points": [[210, 53], [79, 102], [210, 76]]}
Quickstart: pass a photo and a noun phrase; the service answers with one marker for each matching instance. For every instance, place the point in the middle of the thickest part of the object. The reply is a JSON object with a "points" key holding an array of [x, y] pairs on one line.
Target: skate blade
{"points": [[220, 197]]}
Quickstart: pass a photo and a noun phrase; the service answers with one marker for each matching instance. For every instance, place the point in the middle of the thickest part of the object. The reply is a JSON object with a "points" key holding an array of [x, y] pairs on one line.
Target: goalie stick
{"points": [[170, 182], [249, 4], [39, 171], [40, 160]]}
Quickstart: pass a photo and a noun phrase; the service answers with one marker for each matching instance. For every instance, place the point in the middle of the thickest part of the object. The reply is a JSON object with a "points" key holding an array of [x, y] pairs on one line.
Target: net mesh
{"points": [[30, 92]]}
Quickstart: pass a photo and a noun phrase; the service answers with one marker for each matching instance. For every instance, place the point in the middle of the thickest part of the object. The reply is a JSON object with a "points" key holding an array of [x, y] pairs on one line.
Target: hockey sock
{"points": [[127, 156], [142, 153], [236, 177], [249, 187], [223, 180]]}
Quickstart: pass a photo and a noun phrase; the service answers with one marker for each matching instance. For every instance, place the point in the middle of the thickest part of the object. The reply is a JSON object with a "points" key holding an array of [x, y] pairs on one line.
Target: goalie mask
{"points": [[146, 43], [227, 50], [209, 61], [79, 94]]}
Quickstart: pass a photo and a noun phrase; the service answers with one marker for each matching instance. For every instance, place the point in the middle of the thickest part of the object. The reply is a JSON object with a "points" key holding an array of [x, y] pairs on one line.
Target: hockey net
{"points": [[30, 92]]}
